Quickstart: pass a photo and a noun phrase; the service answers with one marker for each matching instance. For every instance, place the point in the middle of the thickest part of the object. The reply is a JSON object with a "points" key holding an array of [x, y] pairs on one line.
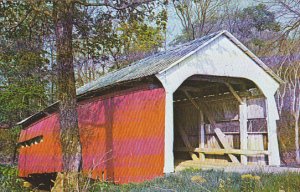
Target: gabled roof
{"points": [[162, 61], [158, 63], [146, 67]]}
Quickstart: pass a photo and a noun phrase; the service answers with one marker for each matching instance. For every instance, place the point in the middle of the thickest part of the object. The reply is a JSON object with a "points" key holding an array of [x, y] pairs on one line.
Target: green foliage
{"points": [[9, 181], [8, 140], [113, 40], [257, 27], [23, 85], [23, 67], [260, 18]]}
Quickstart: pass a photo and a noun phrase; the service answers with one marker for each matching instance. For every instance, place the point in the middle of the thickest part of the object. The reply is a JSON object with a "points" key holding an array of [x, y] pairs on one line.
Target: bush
{"points": [[9, 180]]}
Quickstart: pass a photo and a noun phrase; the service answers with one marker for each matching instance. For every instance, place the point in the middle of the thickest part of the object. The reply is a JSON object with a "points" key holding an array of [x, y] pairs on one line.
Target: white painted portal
{"points": [[221, 57]]}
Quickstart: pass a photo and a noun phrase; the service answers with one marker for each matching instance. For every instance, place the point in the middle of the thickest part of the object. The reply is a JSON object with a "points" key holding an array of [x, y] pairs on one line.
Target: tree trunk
{"points": [[69, 131]]}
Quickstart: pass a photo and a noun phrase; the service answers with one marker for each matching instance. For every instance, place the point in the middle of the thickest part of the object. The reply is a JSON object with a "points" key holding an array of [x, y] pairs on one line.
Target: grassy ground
{"points": [[197, 180], [188, 180]]}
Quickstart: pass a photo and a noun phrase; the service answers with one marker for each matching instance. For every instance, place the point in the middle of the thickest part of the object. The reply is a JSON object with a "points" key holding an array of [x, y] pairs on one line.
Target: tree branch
{"points": [[289, 8], [13, 28], [114, 6]]}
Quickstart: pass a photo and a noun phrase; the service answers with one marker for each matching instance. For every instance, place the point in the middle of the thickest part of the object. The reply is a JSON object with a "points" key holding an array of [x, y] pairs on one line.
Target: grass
{"points": [[197, 180], [188, 180]]}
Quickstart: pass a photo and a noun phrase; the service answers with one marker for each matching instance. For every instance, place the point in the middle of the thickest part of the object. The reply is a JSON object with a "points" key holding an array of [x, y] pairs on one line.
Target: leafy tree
{"points": [[23, 72], [257, 27], [23, 69], [106, 42], [75, 33]]}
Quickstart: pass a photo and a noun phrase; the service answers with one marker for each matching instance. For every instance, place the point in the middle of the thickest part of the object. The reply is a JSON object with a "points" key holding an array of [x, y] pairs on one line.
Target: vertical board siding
{"points": [[45, 156], [122, 138]]}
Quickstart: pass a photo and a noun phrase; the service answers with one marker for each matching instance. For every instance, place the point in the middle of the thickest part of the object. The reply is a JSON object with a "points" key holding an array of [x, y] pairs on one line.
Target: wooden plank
{"points": [[187, 143], [237, 133], [222, 139], [255, 142], [211, 151]]}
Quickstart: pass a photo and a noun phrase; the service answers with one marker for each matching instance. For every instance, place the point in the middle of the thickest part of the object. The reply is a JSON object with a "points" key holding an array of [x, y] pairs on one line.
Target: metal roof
{"points": [[160, 62], [148, 66]]}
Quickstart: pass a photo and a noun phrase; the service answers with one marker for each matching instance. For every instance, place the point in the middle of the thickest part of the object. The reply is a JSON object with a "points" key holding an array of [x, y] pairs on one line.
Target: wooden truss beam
{"points": [[218, 97], [191, 100], [214, 151], [219, 80], [197, 89], [225, 144], [234, 93]]}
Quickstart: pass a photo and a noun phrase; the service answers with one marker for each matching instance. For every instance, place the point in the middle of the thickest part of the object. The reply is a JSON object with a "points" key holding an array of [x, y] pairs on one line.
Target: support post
{"points": [[274, 158], [202, 136], [169, 134], [243, 129]]}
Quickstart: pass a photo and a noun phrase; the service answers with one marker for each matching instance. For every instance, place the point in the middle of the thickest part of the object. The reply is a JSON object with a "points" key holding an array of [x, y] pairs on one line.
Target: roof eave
{"points": [[44, 111]]}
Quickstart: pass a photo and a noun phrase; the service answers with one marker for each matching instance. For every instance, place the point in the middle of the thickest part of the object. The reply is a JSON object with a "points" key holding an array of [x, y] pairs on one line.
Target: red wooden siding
{"points": [[122, 138], [45, 156]]}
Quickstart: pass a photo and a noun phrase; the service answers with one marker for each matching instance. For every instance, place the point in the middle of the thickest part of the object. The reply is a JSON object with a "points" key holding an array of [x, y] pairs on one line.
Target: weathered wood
{"points": [[219, 79], [256, 108], [255, 142], [211, 151], [192, 89], [243, 121], [237, 133], [187, 143], [234, 93], [243, 129], [191, 100], [226, 145], [219, 97], [204, 110], [201, 156]]}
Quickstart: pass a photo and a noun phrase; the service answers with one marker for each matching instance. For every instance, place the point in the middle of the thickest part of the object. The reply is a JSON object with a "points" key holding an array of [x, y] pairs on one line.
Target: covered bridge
{"points": [[209, 100]]}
